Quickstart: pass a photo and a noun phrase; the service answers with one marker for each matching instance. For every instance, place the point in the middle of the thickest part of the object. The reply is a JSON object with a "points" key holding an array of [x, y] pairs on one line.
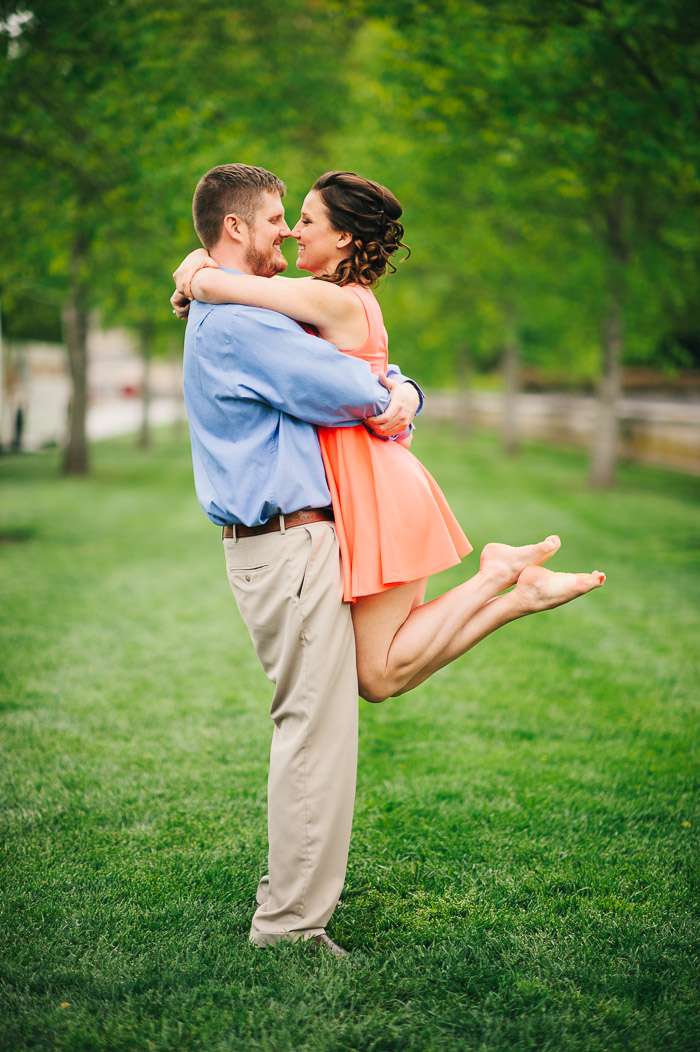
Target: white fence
{"points": [[665, 433]]}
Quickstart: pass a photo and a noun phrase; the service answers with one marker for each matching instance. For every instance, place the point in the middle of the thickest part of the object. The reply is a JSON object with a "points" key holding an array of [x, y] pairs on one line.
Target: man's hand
{"points": [[188, 268], [182, 277], [181, 305], [401, 410]]}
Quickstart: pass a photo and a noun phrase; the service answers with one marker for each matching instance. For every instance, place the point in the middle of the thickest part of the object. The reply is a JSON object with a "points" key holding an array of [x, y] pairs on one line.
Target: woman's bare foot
{"points": [[540, 589], [503, 563]]}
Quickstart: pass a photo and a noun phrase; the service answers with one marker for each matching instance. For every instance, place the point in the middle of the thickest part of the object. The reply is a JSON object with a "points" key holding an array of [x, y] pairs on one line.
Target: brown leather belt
{"points": [[294, 518]]}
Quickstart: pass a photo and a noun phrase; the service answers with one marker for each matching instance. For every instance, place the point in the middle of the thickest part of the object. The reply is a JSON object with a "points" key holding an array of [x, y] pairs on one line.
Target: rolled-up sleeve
{"points": [[394, 373]]}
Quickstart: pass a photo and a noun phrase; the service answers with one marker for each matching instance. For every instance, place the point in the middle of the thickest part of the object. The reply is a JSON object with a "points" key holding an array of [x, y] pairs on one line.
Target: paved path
{"points": [[122, 416]]}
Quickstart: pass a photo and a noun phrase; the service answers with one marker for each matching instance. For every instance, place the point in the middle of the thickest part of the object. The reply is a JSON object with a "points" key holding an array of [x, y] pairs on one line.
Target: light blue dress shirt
{"points": [[255, 387]]}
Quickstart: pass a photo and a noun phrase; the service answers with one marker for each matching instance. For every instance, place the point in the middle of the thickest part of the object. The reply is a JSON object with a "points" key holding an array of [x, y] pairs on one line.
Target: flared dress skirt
{"points": [[393, 522]]}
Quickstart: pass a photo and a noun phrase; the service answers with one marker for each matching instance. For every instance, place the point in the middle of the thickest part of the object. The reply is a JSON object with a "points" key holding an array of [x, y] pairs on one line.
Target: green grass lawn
{"points": [[524, 865]]}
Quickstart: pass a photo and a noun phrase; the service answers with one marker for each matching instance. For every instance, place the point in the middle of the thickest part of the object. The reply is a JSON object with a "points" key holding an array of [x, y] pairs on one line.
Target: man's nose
{"points": [[285, 231]]}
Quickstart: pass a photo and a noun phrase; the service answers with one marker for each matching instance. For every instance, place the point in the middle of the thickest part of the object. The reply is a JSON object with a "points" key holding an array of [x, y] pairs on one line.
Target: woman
{"points": [[394, 526]]}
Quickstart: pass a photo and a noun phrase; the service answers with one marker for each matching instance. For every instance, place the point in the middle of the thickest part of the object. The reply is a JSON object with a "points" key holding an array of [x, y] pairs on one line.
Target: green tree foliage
{"points": [[585, 112], [547, 156], [112, 113], [81, 136]]}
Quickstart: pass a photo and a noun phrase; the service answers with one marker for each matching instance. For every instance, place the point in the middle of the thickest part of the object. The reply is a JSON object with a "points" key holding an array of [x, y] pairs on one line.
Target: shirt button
{"points": [[247, 577]]}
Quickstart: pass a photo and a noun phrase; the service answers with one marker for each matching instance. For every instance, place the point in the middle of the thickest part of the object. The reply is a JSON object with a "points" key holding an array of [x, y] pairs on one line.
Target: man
{"points": [[255, 387]]}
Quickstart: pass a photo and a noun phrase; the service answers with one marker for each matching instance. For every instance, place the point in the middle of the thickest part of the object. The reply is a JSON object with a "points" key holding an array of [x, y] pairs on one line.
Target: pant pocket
{"points": [[321, 536]]}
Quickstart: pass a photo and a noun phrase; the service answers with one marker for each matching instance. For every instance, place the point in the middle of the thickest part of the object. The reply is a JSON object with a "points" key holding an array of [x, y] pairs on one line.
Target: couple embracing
{"points": [[330, 525]]}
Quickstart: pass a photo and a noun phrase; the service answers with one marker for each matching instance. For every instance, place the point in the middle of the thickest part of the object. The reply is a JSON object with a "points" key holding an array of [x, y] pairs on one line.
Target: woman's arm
{"points": [[314, 302]]}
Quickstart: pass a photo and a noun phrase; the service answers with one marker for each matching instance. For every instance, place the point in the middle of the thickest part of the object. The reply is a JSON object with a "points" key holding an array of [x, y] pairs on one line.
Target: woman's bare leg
{"points": [[537, 589], [397, 637]]}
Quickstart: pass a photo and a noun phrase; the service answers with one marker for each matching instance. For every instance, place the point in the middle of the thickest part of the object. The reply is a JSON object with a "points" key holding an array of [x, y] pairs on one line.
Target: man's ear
{"points": [[344, 239], [232, 226]]}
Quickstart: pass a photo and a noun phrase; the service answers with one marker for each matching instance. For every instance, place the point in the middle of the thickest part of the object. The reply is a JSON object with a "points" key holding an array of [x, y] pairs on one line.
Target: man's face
{"points": [[265, 235]]}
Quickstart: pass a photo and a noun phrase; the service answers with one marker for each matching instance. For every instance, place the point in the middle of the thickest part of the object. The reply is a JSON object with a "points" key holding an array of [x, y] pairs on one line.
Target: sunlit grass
{"points": [[523, 872]]}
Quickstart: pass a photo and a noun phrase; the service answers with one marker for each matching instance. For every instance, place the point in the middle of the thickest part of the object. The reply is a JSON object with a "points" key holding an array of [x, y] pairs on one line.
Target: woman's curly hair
{"points": [[370, 213]]}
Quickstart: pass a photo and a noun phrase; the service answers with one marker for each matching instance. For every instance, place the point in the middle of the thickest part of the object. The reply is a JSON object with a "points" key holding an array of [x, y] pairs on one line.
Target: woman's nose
{"points": [[296, 232]]}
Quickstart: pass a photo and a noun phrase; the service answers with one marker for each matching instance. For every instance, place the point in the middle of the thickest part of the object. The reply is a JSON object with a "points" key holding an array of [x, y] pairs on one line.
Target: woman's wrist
{"points": [[190, 266], [195, 283]]}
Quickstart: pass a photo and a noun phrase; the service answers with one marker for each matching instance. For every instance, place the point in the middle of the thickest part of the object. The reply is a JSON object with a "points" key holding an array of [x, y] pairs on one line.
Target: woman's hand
{"points": [[180, 304], [187, 270]]}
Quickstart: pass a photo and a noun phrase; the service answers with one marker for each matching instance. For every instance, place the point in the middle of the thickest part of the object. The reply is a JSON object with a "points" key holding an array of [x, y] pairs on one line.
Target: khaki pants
{"points": [[288, 588]]}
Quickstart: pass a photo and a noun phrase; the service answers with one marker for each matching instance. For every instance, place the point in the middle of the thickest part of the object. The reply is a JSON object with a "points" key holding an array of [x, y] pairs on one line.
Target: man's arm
{"points": [[263, 356], [406, 397]]}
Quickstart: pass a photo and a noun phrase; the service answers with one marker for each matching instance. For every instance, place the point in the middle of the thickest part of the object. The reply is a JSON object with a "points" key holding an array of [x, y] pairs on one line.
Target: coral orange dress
{"points": [[392, 520]]}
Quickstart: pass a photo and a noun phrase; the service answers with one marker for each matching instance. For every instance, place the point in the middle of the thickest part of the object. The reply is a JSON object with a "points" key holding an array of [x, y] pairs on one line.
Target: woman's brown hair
{"points": [[370, 213]]}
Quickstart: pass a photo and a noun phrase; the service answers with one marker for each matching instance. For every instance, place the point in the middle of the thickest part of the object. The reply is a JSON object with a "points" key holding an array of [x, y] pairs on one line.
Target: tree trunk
{"points": [[75, 329], [145, 340], [604, 452], [2, 383], [464, 384], [605, 439], [180, 421], [511, 383]]}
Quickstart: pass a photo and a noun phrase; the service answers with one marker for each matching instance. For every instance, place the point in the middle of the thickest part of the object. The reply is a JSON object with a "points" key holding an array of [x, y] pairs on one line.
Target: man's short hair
{"points": [[230, 189]]}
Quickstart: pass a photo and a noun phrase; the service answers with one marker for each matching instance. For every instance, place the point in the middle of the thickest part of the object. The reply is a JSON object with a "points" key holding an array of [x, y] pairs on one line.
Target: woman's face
{"points": [[320, 247]]}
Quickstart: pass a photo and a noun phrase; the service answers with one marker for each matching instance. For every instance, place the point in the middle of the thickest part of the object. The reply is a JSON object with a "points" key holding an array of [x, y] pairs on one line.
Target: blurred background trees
{"points": [[547, 157]]}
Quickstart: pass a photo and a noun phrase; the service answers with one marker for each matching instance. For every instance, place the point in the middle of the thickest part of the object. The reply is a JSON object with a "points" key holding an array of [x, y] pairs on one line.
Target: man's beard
{"points": [[264, 264]]}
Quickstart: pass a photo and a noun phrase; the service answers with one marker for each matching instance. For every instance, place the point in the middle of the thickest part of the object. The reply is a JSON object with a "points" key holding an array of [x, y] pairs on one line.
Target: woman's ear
{"points": [[344, 240]]}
